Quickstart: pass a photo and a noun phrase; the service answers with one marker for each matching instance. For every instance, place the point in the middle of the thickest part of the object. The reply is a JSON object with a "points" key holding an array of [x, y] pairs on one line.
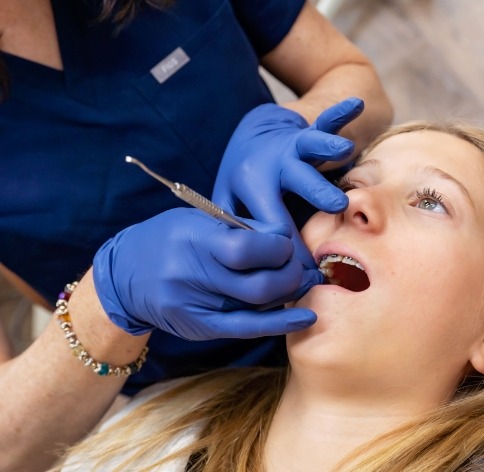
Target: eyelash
{"points": [[346, 184], [432, 194]]}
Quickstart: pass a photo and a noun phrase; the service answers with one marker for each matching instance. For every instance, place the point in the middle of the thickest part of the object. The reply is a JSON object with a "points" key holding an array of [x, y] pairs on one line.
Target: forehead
{"points": [[418, 149]]}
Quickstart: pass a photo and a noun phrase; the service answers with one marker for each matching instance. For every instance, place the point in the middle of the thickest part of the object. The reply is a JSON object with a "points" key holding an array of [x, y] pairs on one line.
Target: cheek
{"points": [[422, 281], [434, 259], [438, 289]]}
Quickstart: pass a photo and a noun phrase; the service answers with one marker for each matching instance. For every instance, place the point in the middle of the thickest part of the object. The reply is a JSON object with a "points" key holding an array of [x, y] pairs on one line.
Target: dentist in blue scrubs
{"points": [[176, 84]]}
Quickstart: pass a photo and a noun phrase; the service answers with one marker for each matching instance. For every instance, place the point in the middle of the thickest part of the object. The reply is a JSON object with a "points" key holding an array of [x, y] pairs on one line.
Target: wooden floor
{"points": [[429, 54]]}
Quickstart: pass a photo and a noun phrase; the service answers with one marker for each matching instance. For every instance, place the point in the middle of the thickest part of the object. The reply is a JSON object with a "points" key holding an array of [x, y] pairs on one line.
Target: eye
{"points": [[345, 184], [431, 200]]}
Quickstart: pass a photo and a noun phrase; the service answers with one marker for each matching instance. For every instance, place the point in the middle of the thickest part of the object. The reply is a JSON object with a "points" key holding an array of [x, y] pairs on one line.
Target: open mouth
{"points": [[344, 271]]}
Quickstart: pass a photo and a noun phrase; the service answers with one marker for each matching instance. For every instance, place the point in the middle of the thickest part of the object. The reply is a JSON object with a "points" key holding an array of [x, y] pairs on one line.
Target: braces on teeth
{"points": [[327, 261]]}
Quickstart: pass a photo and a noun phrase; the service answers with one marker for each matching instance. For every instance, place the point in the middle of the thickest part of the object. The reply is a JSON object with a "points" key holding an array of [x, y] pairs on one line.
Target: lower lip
{"points": [[335, 288]]}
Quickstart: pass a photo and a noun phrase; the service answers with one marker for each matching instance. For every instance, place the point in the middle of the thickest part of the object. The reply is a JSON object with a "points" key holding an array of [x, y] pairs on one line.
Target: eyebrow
{"points": [[430, 170], [444, 175]]}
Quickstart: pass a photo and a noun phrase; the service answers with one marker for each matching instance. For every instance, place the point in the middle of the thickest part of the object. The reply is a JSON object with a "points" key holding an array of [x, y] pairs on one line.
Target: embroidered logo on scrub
{"points": [[169, 65]]}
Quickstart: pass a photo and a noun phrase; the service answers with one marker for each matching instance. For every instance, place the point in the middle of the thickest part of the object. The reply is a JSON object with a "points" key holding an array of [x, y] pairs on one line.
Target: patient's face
{"points": [[415, 223]]}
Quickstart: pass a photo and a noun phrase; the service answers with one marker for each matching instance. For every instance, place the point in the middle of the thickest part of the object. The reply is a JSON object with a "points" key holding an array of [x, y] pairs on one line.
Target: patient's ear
{"points": [[477, 355]]}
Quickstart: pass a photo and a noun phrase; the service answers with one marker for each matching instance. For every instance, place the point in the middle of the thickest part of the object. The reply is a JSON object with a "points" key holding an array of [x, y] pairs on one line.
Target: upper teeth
{"points": [[327, 261]]}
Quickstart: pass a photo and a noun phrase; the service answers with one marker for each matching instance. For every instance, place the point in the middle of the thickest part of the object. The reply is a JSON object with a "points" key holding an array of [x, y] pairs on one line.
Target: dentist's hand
{"points": [[192, 276], [273, 150]]}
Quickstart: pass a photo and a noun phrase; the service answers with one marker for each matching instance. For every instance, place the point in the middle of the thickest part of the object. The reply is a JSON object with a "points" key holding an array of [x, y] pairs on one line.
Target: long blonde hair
{"points": [[235, 408], [462, 130]]}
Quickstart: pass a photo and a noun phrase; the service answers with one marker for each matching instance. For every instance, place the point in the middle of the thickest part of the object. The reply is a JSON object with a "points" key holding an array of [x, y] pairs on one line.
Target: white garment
{"points": [[184, 438]]}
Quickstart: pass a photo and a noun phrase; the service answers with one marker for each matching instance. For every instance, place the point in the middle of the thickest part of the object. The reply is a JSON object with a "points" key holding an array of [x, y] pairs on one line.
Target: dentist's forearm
{"points": [[323, 67], [358, 80], [49, 398]]}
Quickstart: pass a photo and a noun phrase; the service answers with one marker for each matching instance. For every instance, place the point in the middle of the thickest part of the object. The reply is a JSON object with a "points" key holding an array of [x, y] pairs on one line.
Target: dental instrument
{"points": [[193, 198]]}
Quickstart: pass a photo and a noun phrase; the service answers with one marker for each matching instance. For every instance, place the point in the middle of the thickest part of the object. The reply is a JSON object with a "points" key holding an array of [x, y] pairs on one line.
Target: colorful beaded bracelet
{"points": [[78, 350]]}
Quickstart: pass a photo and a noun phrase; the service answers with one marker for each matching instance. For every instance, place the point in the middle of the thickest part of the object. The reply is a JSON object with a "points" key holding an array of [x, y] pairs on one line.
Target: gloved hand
{"points": [[273, 150], [192, 276]]}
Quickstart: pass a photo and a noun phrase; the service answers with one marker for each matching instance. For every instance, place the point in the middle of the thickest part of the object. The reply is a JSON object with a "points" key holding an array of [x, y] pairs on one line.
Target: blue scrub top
{"points": [[65, 188]]}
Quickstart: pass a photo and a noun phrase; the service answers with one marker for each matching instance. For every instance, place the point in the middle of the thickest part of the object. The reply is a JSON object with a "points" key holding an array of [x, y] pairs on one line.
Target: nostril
{"points": [[360, 215]]}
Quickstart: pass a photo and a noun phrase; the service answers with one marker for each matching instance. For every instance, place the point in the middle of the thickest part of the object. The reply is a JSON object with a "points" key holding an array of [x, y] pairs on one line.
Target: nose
{"points": [[366, 209]]}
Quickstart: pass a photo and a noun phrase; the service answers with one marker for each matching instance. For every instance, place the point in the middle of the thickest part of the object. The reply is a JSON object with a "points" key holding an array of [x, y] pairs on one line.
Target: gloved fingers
{"points": [[272, 208], [315, 147], [251, 191], [254, 131], [334, 118], [223, 196], [305, 181], [248, 324], [301, 251], [275, 228], [263, 200], [268, 246], [311, 277], [267, 116], [262, 286]]}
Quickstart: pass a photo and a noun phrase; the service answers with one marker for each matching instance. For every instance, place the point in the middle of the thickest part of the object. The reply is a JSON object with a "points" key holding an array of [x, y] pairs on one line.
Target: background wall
{"points": [[429, 53]]}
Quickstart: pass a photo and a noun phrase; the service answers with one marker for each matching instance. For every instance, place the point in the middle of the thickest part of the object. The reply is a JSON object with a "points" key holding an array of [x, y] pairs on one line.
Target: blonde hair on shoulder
{"points": [[234, 408]]}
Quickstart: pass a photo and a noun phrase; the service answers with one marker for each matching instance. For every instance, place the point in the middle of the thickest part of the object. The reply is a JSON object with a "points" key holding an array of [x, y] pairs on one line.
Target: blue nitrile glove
{"points": [[273, 150], [192, 276]]}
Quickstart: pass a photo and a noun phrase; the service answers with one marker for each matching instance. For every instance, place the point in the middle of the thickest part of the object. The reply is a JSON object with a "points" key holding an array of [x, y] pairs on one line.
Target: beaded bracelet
{"points": [[78, 350]]}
